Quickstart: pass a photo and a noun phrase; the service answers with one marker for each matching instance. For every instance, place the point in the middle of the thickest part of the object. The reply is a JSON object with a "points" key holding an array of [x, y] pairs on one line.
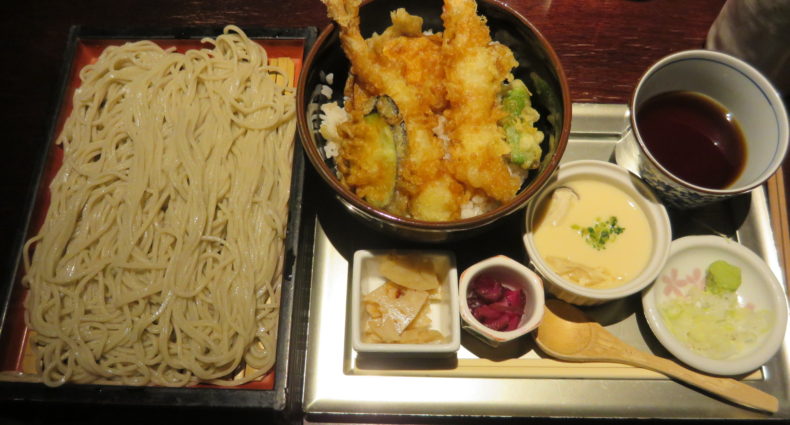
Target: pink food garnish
{"points": [[495, 305], [500, 324], [473, 301], [513, 301], [515, 319], [485, 313], [487, 288]]}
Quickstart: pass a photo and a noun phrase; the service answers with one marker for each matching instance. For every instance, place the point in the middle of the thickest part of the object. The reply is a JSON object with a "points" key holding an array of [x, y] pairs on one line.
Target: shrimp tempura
{"points": [[475, 70]]}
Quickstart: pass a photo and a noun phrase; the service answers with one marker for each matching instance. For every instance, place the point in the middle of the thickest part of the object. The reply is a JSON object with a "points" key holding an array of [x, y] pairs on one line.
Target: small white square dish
{"points": [[440, 323]]}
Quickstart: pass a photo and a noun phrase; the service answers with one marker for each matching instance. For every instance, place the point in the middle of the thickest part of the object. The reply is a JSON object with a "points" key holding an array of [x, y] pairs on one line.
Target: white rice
{"points": [[331, 149], [332, 115], [477, 205], [326, 91]]}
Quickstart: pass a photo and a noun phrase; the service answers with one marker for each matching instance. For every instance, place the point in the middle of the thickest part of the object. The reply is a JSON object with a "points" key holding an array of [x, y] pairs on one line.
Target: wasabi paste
{"points": [[722, 277]]}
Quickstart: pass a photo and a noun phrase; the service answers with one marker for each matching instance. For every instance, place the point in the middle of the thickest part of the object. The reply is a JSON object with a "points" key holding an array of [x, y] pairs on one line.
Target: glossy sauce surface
{"points": [[693, 137]]}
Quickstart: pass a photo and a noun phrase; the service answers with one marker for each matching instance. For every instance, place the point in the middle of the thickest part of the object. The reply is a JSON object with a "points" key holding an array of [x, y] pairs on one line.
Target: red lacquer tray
{"points": [[16, 360]]}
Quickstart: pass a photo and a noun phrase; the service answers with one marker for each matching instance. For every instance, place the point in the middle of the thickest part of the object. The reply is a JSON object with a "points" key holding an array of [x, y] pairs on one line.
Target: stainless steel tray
{"points": [[519, 380]]}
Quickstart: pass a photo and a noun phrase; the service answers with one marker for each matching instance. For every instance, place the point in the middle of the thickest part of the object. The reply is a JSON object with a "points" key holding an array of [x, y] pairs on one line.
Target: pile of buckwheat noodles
{"points": [[160, 258]]}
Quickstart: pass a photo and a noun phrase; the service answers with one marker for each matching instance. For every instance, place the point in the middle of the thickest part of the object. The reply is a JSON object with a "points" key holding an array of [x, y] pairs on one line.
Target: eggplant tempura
{"points": [[434, 126]]}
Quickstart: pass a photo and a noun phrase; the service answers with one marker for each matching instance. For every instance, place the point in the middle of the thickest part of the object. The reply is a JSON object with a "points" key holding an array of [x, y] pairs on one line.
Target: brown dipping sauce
{"points": [[693, 137]]}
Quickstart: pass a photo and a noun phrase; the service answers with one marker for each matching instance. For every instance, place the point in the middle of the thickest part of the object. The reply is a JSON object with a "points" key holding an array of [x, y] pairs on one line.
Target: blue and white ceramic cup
{"points": [[744, 92]]}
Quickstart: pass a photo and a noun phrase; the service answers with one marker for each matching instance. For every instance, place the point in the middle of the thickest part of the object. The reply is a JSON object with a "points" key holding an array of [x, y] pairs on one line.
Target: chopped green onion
{"points": [[600, 233]]}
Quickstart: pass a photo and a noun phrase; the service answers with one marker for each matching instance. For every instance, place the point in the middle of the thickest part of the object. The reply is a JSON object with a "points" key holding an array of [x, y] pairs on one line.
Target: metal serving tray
{"points": [[518, 380], [84, 45]]}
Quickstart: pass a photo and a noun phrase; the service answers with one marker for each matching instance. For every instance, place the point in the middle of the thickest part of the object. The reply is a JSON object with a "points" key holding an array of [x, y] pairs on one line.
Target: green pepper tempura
{"points": [[519, 126]]}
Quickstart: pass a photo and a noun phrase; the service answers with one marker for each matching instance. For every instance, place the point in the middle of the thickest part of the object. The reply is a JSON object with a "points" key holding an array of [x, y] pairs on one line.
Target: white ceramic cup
{"points": [[643, 198], [744, 92]]}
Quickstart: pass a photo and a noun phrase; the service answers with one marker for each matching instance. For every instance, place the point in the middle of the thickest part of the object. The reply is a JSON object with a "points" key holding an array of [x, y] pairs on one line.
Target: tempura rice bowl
{"points": [[325, 72]]}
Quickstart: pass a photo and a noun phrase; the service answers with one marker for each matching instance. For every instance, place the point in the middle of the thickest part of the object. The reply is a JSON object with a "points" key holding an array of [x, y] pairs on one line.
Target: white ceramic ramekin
{"points": [[656, 215], [514, 273]]}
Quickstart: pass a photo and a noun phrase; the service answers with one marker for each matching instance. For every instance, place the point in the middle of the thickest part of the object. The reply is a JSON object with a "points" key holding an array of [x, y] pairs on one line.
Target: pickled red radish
{"points": [[495, 304], [512, 301], [487, 288]]}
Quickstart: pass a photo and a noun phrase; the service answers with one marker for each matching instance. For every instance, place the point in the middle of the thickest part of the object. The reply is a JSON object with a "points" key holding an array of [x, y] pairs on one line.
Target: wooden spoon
{"points": [[568, 334]]}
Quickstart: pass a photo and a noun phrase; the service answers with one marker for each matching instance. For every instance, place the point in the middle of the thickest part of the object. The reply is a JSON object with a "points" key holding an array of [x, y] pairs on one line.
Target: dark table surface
{"points": [[604, 46]]}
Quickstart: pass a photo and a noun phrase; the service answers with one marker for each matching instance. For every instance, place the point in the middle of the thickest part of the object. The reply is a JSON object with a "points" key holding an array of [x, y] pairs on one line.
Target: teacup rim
{"points": [[743, 67]]}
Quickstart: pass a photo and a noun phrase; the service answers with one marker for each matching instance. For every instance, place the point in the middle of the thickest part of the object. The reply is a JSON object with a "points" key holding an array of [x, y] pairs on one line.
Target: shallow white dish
{"points": [[514, 273], [689, 258], [656, 214], [444, 313]]}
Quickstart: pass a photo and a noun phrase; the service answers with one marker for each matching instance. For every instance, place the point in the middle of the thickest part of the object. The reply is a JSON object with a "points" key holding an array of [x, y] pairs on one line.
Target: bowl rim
{"points": [[532, 280], [453, 342], [642, 194], [518, 202], [745, 363]]}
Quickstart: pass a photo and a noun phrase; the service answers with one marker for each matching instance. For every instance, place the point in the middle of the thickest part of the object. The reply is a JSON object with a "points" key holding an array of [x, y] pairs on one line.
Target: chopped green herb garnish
{"points": [[600, 233]]}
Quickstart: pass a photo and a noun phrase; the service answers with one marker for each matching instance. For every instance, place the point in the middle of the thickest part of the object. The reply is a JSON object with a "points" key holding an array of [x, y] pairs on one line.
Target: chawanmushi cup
{"points": [[655, 212]]}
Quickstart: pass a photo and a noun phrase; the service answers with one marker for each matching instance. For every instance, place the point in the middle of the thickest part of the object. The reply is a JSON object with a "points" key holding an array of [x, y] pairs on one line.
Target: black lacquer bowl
{"points": [[539, 67]]}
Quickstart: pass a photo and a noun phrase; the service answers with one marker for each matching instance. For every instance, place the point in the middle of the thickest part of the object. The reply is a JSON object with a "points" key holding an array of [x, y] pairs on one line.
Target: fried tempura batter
{"points": [[405, 65], [476, 68], [448, 90]]}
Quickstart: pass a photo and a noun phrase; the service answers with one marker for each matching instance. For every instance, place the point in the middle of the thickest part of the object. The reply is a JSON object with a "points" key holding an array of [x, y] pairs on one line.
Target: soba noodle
{"points": [[161, 255]]}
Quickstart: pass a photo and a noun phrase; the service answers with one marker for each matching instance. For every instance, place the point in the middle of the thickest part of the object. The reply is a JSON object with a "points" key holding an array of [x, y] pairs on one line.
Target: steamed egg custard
{"points": [[593, 234]]}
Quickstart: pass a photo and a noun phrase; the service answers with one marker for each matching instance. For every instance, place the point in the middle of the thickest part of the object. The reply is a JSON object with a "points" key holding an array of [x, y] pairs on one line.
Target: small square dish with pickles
{"points": [[405, 303]]}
